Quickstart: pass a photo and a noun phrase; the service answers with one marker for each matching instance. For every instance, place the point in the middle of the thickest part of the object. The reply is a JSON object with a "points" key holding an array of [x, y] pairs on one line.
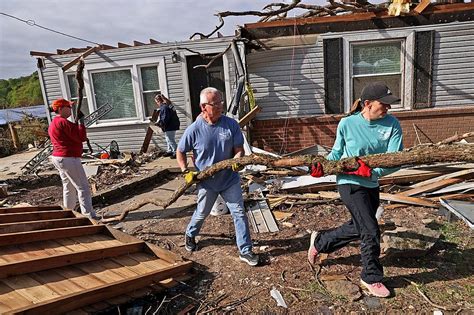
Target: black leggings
{"points": [[362, 203]]}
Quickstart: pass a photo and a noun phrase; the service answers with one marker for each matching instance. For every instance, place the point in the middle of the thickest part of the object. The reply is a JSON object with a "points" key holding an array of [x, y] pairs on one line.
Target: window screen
{"points": [[379, 61], [72, 83], [150, 87], [115, 87]]}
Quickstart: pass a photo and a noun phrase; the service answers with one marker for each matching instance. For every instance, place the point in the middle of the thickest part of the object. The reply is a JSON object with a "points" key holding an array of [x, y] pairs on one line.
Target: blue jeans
{"points": [[234, 201], [170, 141]]}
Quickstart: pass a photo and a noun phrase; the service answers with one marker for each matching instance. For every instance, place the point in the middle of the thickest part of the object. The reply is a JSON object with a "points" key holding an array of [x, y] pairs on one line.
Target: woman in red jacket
{"points": [[67, 138]]}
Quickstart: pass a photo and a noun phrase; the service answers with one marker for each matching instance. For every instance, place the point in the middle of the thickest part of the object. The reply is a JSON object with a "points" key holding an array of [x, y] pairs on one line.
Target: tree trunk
{"points": [[422, 154]]}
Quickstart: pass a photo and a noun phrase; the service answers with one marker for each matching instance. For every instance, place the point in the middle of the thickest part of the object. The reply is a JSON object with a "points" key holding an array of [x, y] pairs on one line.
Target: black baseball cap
{"points": [[378, 91]]}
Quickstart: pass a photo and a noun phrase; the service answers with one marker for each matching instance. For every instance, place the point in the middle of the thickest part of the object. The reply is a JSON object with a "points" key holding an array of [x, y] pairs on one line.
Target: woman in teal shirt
{"points": [[369, 129]]}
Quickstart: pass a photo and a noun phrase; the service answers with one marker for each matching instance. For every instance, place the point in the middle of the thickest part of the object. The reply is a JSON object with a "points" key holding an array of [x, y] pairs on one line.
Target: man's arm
{"points": [[239, 152], [182, 160]]}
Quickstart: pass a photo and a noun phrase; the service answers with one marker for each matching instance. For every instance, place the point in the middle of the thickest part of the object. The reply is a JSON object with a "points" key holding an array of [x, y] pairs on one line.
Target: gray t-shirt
{"points": [[212, 143]]}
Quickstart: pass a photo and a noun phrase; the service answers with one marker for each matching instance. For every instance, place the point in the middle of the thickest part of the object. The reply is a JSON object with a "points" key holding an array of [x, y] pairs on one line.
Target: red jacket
{"points": [[66, 137]]}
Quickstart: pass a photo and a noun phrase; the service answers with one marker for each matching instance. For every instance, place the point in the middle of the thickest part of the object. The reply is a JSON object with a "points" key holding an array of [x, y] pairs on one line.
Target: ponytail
{"points": [[356, 107]]}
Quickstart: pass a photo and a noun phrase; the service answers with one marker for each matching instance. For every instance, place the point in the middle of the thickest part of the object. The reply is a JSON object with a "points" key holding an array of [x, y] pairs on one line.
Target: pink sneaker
{"points": [[312, 251], [377, 289]]}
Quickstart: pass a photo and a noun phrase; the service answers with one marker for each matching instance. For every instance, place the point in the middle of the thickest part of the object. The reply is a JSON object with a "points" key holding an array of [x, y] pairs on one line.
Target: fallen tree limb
{"points": [[423, 154]]}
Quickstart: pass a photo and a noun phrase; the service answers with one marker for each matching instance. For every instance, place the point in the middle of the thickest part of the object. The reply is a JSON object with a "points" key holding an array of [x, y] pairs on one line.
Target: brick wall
{"points": [[288, 135]]}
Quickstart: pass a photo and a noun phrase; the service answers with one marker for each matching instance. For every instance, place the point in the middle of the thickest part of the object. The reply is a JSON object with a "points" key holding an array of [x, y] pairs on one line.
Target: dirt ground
{"points": [[221, 283]]}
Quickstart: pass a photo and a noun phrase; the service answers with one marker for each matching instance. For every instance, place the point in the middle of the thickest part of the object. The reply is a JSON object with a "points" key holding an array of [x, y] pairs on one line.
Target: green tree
{"points": [[20, 92]]}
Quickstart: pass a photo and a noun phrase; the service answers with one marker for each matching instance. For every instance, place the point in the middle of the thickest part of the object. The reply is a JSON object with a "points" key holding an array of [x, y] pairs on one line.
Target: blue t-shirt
{"points": [[212, 143], [357, 136]]}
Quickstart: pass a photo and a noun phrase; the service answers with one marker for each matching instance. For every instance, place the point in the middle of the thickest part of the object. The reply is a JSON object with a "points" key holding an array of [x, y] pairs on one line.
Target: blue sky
{"points": [[107, 22]]}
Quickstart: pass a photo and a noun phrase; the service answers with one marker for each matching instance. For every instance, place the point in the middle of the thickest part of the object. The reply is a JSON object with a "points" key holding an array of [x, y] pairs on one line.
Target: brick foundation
{"points": [[288, 135]]}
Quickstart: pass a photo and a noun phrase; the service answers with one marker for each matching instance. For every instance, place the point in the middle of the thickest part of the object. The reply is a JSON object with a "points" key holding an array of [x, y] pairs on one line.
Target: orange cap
{"points": [[60, 103]]}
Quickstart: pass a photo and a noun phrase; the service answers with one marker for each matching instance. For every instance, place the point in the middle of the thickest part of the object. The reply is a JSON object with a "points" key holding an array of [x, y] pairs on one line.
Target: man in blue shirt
{"points": [[367, 130], [213, 138]]}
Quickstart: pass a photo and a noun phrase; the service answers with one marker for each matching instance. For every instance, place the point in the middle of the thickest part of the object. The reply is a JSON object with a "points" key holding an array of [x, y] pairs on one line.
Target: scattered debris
{"points": [[278, 298], [404, 242]]}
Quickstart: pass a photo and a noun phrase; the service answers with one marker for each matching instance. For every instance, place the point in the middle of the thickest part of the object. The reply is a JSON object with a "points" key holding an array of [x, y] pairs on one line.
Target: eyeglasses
{"points": [[221, 103]]}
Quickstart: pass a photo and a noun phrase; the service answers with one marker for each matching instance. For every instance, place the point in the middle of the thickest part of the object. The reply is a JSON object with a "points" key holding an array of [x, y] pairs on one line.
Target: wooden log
{"points": [[422, 154]]}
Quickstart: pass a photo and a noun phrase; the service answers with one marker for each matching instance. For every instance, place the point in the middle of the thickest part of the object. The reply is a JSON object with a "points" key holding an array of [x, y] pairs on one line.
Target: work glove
{"points": [[236, 167], [316, 170], [364, 170], [189, 176]]}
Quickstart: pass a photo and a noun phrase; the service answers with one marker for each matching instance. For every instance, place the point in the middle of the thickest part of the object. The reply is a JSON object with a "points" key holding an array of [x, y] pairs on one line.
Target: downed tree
{"points": [[422, 154]]}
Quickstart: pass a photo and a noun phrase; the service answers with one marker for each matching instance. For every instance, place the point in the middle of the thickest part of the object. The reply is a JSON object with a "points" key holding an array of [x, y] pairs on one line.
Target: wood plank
{"points": [[10, 299], [77, 300], [61, 260], [465, 174], [44, 235], [56, 282], [421, 6], [431, 187], [84, 55], [150, 248], [30, 289], [42, 225], [29, 209], [35, 216], [249, 116], [408, 200], [149, 132], [80, 277]]}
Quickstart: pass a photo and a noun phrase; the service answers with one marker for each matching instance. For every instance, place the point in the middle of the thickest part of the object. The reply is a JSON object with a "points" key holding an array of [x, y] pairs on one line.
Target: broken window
{"points": [[115, 87], [150, 87], [72, 85], [377, 61]]}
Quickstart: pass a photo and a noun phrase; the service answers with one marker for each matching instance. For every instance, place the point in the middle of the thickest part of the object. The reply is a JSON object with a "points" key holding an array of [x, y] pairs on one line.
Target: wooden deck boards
{"points": [[52, 260]]}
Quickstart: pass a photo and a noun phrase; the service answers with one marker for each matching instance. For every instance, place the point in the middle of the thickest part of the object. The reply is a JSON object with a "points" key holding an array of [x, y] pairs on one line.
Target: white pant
{"points": [[75, 184]]}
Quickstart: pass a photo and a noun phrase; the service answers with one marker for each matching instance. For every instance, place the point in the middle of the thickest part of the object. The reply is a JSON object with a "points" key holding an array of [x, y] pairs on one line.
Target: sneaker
{"points": [[376, 289], [312, 251], [190, 243], [250, 258], [166, 154], [173, 156]]}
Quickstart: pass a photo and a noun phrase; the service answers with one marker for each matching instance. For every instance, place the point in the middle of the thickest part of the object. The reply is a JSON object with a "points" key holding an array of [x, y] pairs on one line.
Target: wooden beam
{"points": [[149, 132], [75, 60], [122, 45], [78, 299], [408, 200], [29, 209], [62, 260], [35, 216], [465, 174], [421, 6], [40, 53], [45, 235], [42, 225], [249, 116], [153, 41], [431, 187]]}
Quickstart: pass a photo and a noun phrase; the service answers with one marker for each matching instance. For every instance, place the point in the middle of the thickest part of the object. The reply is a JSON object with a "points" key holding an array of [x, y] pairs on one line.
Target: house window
{"points": [[72, 84], [150, 87], [115, 88], [377, 61]]}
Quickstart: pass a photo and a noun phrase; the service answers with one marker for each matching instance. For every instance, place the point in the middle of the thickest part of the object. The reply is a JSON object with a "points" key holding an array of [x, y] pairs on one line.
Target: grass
{"points": [[451, 232]]}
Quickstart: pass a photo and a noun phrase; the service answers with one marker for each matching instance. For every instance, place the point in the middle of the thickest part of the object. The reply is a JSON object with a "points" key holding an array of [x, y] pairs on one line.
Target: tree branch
{"points": [[423, 154]]}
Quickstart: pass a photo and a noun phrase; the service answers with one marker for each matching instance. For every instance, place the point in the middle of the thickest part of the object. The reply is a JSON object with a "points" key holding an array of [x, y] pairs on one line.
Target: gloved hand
{"points": [[189, 176], [364, 170], [316, 170], [236, 167]]}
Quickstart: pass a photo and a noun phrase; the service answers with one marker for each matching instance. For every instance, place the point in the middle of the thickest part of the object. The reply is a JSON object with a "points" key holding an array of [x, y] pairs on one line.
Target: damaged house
{"points": [[304, 73], [129, 76], [307, 73]]}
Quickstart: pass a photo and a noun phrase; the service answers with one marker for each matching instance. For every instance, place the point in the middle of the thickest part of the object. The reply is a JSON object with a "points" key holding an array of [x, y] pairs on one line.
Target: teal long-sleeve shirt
{"points": [[357, 136]]}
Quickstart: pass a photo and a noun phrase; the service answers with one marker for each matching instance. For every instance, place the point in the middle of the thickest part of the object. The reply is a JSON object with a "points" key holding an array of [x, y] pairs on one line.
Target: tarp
{"points": [[17, 114]]}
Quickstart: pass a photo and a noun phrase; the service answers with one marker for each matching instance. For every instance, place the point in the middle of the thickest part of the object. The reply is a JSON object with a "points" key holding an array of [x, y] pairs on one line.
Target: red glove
{"points": [[317, 170], [363, 170]]}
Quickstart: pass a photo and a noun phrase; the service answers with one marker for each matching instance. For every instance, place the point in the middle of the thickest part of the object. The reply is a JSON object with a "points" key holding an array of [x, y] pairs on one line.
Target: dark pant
{"points": [[362, 203]]}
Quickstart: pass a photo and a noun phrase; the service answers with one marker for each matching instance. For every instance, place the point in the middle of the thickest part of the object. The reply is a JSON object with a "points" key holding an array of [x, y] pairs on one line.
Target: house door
{"points": [[200, 78]]}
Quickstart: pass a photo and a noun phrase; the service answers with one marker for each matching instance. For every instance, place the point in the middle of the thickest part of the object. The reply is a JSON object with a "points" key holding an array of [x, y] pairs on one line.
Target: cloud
{"points": [[107, 22]]}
